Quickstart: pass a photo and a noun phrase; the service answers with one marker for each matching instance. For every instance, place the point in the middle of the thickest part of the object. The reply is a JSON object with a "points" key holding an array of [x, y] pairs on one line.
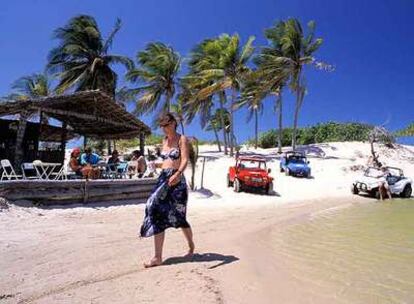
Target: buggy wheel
{"points": [[229, 183], [376, 194], [281, 170], [407, 191], [236, 185], [355, 190], [269, 188]]}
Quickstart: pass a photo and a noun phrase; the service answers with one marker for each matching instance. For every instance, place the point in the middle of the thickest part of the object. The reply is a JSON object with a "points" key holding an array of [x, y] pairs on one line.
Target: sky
{"points": [[369, 42]]}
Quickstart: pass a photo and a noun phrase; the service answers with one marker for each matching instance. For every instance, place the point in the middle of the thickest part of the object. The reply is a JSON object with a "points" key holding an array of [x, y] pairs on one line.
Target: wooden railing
{"points": [[77, 191]]}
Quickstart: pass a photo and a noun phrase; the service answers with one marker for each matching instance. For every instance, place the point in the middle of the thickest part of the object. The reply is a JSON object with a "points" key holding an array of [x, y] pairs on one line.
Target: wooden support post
{"points": [[63, 142], [142, 143], [108, 143], [19, 149], [202, 173], [37, 155]]}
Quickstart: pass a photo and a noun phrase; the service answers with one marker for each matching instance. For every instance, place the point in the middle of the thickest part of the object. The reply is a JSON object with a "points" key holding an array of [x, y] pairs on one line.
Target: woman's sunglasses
{"points": [[165, 124]]}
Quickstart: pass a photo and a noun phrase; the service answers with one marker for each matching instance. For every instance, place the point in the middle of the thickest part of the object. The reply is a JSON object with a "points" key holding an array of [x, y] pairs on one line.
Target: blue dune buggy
{"points": [[295, 164]]}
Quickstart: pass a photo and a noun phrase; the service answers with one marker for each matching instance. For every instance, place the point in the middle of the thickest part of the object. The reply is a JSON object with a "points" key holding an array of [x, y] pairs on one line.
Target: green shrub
{"points": [[323, 132]]}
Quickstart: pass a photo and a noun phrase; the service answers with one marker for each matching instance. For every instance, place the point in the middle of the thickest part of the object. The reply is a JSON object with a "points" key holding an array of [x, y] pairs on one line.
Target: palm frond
{"points": [[247, 50], [109, 40]]}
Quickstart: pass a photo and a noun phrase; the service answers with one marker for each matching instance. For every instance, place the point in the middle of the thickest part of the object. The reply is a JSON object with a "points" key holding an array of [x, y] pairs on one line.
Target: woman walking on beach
{"points": [[167, 204]]}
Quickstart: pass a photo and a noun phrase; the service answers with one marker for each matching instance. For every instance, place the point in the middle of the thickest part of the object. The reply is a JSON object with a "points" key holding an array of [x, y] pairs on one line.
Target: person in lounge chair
{"points": [[74, 163], [89, 161], [114, 160]]}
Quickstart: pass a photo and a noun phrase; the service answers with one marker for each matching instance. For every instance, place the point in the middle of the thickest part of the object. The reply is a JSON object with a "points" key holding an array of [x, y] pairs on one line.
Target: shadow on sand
{"points": [[203, 257]]}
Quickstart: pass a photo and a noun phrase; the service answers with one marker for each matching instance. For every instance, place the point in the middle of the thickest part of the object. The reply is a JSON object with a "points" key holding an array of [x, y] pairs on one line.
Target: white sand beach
{"points": [[91, 254]]}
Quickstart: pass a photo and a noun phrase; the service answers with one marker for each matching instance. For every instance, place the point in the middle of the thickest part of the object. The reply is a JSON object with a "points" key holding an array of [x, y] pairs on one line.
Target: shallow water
{"points": [[360, 254]]}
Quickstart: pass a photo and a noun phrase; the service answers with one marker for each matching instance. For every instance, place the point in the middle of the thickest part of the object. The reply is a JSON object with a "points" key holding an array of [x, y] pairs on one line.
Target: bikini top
{"points": [[173, 154]]}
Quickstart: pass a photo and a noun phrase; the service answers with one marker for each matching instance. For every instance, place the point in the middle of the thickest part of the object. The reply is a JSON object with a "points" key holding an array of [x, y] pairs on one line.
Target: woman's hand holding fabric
{"points": [[174, 179]]}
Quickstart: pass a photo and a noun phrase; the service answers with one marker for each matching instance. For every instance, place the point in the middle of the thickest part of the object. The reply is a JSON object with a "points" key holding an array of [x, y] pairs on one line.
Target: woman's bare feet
{"points": [[191, 248], [153, 262]]}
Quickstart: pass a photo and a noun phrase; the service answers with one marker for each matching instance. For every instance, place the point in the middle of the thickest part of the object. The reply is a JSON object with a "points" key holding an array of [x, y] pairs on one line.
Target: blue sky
{"points": [[370, 43]]}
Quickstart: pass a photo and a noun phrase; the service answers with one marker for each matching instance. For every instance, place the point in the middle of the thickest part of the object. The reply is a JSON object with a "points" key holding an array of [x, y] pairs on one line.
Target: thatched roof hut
{"points": [[89, 113], [92, 114]]}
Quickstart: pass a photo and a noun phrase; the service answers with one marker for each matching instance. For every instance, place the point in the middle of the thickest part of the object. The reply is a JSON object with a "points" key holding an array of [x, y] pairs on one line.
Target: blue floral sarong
{"points": [[166, 207]]}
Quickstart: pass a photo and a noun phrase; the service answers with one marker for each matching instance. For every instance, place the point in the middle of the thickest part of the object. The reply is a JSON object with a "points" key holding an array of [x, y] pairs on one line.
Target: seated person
{"points": [[151, 170], [114, 160], [89, 161], [137, 164], [384, 186], [74, 164]]}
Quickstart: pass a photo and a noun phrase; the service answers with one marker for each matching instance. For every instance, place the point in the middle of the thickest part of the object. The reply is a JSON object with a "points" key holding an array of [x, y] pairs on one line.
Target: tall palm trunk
{"points": [[217, 137], [193, 159], [223, 125], [256, 128], [228, 136], [19, 150], [233, 100], [295, 120], [280, 126], [108, 143], [63, 141], [168, 101], [299, 100]]}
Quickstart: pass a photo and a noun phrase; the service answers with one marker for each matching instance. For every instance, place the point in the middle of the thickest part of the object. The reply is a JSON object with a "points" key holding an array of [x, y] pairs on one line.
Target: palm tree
{"points": [[223, 69], [252, 97], [81, 60], [408, 131], [202, 107], [31, 87], [157, 70], [297, 50], [191, 107], [215, 125], [271, 69], [178, 110]]}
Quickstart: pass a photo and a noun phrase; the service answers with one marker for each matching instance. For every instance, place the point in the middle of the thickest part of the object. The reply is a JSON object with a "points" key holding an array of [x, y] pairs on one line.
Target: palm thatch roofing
{"points": [[90, 113]]}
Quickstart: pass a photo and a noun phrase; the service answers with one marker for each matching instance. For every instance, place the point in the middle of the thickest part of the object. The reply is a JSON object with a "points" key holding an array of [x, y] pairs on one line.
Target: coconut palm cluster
{"points": [[219, 76]]}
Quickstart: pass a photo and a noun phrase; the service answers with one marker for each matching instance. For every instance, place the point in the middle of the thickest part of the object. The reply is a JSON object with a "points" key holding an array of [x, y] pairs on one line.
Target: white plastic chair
{"points": [[29, 171], [8, 170], [62, 174]]}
